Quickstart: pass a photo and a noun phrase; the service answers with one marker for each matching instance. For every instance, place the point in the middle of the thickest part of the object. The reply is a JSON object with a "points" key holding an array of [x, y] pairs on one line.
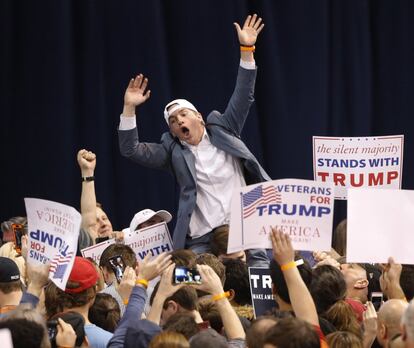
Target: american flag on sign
{"points": [[259, 196], [59, 264]]}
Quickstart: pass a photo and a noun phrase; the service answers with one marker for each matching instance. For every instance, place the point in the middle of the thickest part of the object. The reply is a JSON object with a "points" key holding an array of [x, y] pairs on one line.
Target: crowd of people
{"points": [[123, 302]]}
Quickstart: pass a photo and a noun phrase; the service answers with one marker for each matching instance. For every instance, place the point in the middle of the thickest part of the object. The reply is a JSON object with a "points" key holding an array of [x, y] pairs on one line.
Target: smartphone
{"points": [[186, 275], [377, 299], [118, 266], [18, 233], [52, 329]]}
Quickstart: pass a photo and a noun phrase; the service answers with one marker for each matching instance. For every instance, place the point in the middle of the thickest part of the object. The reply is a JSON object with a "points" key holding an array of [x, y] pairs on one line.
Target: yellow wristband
{"points": [[142, 282], [126, 301], [247, 48], [291, 264], [220, 296]]}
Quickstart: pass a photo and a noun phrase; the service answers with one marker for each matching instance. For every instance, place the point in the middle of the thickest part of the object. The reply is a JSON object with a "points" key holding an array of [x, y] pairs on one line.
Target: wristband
{"points": [[126, 301], [247, 48], [142, 282], [88, 178], [220, 296], [291, 264]]}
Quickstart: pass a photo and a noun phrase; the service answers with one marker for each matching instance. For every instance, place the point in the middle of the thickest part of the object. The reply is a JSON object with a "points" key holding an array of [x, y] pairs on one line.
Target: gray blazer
{"points": [[224, 132]]}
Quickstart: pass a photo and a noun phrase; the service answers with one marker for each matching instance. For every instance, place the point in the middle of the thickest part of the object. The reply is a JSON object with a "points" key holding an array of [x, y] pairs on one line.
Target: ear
{"points": [[172, 306], [383, 331], [361, 284], [232, 294]]}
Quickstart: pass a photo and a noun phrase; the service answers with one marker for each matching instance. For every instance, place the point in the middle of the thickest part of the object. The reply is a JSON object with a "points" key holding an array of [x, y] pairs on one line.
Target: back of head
{"points": [[9, 276], [339, 238], [343, 339], [105, 312], [278, 280], [256, 333], [186, 297], [128, 256], [183, 323], [219, 241], [212, 261], [407, 281], [408, 322], [328, 286], [25, 333], [77, 322], [209, 312], [169, 339], [184, 258], [208, 338], [341, 315], [237, 278], [292, 333]]}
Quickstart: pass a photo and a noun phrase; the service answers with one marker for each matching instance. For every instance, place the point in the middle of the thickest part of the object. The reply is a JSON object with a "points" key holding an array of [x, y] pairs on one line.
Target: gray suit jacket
{"points": [[224, 132]]}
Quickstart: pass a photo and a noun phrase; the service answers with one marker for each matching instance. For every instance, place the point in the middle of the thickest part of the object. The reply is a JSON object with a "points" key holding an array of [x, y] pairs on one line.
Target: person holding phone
{"points": [[209, 160]]}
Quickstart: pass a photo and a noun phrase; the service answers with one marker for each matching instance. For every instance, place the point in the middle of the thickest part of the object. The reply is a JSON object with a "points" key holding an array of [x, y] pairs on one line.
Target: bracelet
{"points": [[220, 296], [247, 48], [142, 282], [291, 264], [125, 301], [88, 178]]}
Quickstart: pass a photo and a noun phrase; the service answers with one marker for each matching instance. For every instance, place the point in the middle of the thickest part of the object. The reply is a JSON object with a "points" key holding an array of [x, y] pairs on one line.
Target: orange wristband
{"points": [[220, 296], [142, 282], [291, 264], [247, 48], [125, 301]]}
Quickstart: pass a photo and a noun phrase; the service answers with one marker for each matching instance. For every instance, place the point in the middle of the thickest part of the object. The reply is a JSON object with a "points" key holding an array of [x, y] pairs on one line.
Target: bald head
{"points": [[389, 319], [408, 323]]}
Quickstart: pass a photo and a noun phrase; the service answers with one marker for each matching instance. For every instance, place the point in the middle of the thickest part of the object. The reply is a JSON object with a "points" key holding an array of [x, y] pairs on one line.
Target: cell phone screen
{"points": [[186, 275], [52, 329], [376, 299], [118, 267], [18, 233]]}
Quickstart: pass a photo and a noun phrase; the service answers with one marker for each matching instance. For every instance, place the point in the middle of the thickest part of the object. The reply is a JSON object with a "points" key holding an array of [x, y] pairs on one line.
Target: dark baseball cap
{"points": [[9, 272]]}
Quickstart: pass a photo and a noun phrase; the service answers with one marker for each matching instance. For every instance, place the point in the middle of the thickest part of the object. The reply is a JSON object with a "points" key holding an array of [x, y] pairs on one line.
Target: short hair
{"points": [[343, 339], [279, 282], [9, 287], [209, 312], [408, 321], [128, 255], [256, 333], [186, 297], [292, 333], [25, 333], [183, 323], [184, 258], [169, 339], [212, 261], [328, 286], [56, 300], [105, 312], [407, 281], [219, 240], [237, 278], [342, 316], [339, 238]]}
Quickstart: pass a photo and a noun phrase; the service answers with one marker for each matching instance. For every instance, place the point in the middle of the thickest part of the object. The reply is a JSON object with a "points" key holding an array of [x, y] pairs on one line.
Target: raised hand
{"points": [[87, 162], [135, 93], [283, 251], [151, 268], [251, 28]]}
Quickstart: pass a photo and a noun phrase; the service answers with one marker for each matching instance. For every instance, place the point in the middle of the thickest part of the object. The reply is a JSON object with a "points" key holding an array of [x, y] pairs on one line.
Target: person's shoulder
{"points": [[166, 138], [97, 332]]}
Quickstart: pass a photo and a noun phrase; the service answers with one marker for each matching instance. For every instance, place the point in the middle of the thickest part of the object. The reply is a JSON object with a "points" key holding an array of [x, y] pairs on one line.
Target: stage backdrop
{"points": [[335, 68]]}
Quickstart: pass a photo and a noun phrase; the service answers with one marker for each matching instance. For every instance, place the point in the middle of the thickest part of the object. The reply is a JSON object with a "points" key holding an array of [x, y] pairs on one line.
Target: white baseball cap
{"points": [[145, 215], [180, 104]]}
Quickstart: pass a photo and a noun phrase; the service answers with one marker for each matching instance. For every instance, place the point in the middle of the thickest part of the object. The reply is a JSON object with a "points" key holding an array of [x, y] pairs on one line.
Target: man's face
{"points": [[104, 226], [150, 222], [187, 125]]}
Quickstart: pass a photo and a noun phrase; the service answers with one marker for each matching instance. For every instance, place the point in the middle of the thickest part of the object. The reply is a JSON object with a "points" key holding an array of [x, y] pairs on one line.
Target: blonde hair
{"points": [[343, 339], [169, 339]]}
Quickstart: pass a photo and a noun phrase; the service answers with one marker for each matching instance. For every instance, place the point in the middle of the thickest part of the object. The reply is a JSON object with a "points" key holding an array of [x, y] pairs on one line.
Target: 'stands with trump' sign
{"points": [[301, 208], [53, 237], [358, 162]]}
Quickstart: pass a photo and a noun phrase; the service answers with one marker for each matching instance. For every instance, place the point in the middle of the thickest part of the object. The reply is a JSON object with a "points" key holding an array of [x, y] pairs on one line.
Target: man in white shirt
{"points": [[208, 160]]}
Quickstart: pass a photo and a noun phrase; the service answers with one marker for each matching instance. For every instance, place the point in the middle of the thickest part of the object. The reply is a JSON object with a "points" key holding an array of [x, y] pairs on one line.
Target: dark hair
{"points": [[339, 238], [209, 312], [344, 339], [105, 312], [237, 278], [186, 297], [407, 281], [56, 300], [8, 287], [292, 333], [256, 333], [212, 261], [279, 282], [328, 286], [219, 240], [128, 255], [25, 333], [184, 257], [183, 323]]}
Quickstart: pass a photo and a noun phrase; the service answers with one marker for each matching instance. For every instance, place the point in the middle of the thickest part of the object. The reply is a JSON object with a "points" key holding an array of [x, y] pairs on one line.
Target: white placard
{"points": [[380, 224], [53, 237], [375, 162], [95, 251], [301, 208], [154, 239], [6, 338]]}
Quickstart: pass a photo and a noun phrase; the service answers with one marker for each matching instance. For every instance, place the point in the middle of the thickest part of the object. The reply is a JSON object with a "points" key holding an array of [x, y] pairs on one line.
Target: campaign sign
{"points": [[95, 251], [301, 208], [154, 239], [53, 237], [358, 162], [261, 291], [380, 224]]}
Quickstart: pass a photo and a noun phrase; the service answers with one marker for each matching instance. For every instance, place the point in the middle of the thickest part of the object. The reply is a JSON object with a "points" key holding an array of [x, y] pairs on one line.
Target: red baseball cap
{"points": [[84, 274]]}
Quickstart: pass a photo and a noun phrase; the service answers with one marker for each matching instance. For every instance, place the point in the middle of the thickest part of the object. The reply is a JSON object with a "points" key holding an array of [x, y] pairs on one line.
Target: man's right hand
{"points": [[135, 94], [87, 162]]}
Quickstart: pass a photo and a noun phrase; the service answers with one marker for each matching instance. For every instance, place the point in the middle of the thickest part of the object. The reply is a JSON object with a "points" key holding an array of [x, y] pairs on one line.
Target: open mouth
{"points": [[185, 131]]}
